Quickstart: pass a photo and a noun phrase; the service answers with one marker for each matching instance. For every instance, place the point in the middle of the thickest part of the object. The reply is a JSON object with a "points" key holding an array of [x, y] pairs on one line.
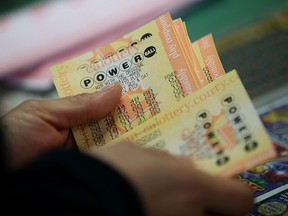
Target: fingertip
{"points": [[85, 108], [111, 94], [107, 99], [185, 159], [114, 87]]}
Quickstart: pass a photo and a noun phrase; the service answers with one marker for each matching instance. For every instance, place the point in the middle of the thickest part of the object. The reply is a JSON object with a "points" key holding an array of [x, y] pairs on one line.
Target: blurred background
{"points": [[250, 35]]}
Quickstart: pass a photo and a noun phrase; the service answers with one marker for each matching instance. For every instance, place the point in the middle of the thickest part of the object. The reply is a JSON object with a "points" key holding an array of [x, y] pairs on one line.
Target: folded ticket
{"points": [[152, 68], [217, 127]]}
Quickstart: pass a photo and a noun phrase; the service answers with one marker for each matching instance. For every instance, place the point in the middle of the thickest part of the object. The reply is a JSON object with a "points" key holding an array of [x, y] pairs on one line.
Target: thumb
{"points": [[83, 108]]}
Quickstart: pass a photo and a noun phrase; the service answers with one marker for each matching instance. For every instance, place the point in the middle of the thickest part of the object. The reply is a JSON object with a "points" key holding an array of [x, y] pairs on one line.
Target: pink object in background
{"points": [[34, 38]]}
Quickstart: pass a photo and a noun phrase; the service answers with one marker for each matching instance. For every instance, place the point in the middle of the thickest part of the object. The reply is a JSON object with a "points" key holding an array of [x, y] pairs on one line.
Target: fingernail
{"points": [[109, 87]]}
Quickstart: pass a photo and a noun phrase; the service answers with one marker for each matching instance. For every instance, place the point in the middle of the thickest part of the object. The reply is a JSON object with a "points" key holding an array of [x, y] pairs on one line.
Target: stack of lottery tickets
{"points": [[176, 97]]}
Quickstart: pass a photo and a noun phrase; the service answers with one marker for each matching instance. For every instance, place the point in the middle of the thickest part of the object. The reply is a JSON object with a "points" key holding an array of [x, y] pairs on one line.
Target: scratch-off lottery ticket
{"points": [[269, 181], [217, 126]]}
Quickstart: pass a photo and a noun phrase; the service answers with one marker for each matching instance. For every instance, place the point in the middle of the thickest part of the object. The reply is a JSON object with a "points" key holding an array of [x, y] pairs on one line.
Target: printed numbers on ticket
{"points": [[217, 126], [150, 79]]}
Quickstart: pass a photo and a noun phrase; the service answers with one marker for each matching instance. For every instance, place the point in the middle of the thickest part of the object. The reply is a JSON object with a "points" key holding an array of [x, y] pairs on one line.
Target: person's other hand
{"points": [[36, 126], [171, 186]]}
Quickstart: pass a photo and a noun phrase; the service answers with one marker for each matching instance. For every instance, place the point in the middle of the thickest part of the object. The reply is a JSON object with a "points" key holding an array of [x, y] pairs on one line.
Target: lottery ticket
{"points": [[276, 204], [269, 181], [267, 178], [217, 127], [149, 64], [208, 59], [184, 38], [169, 101], [202, 54]]}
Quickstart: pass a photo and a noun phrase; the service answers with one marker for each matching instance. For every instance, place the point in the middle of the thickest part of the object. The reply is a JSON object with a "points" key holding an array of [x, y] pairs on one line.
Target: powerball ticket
{"points": [[152, 72], [217, 127]]}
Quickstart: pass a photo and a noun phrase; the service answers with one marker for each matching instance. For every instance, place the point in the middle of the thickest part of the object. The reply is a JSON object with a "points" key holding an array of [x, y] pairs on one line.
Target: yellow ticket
{"points": [[152, 73], [217, 126], [208, 58], [186, 43], [163, 26]]}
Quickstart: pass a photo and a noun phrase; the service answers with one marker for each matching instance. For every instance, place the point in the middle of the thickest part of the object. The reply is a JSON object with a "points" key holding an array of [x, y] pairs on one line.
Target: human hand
{"points": [[36, 126], [171, 186]]}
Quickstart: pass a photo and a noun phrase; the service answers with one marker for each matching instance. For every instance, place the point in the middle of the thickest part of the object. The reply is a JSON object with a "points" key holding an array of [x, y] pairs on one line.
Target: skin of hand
{"points": [[171, 186], [168, 185], [36, 126]]}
